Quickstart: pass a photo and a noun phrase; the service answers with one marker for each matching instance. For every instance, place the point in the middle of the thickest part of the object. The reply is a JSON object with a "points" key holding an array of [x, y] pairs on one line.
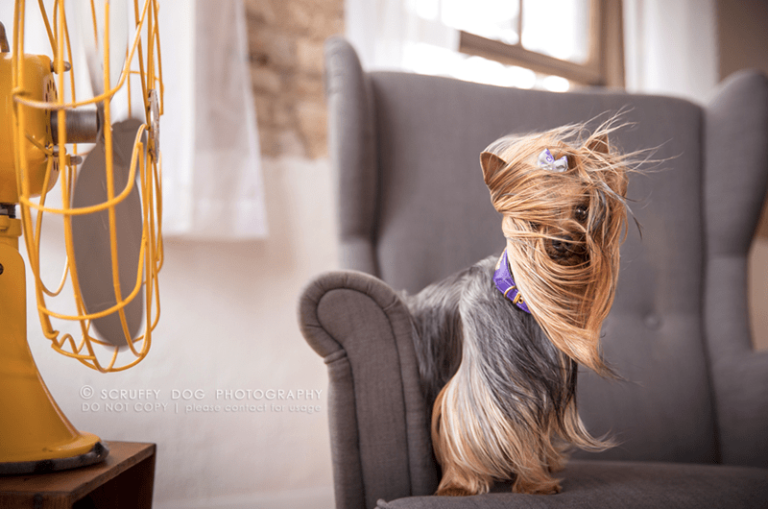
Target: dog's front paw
{"points": [[453, 491], [551, 490], [539, 487]]}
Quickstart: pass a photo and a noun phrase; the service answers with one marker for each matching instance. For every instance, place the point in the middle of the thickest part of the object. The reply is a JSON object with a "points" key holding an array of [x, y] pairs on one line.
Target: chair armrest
{"points": [[378, 419]]}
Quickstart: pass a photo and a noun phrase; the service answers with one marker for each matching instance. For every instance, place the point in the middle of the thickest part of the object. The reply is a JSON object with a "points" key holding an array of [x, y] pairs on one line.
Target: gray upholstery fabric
{"points": [[736, 173], [374, 388], [413, 209], [352, 144], [626, 485]]}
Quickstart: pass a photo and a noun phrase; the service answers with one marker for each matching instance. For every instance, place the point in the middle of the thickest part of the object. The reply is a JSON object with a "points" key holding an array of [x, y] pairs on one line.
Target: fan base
{"points": [[98, 453]]}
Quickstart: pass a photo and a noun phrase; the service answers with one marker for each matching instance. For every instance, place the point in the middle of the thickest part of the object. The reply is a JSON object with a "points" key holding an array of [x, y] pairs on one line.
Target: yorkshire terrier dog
{"points": [[498, 344]]}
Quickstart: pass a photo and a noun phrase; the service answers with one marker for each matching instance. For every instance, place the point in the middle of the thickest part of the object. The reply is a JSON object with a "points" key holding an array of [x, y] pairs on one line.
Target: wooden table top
{"points": [[80, 481]]}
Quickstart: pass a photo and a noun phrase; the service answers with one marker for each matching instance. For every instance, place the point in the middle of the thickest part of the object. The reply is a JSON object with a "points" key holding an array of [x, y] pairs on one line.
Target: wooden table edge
{"points": [[125, 454]]}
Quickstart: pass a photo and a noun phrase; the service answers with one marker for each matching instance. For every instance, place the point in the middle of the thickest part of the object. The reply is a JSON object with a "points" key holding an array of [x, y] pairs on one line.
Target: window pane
{"points": [[427, 59], [554, 83], [493, 19], [559, 28]]}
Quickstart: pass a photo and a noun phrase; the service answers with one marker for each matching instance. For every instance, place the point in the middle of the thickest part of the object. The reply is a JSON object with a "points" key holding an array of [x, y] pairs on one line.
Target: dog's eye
{"points": [[580, 213]]}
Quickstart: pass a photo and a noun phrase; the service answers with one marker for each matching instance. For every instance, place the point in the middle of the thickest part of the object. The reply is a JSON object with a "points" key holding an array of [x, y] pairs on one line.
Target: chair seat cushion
{"points": [[623, 484]]}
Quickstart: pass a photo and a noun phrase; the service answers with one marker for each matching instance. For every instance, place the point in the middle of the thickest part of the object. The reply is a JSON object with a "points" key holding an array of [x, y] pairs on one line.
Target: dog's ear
{"points": [[598, 144], [491, 163]]}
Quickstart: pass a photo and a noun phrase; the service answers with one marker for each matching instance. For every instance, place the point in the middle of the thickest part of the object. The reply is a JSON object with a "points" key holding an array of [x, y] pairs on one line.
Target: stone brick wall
{"points": [[286, 53]]}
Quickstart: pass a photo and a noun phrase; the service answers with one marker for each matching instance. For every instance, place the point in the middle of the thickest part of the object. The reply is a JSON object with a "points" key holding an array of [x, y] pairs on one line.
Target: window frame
{"points": [[604, 65]]}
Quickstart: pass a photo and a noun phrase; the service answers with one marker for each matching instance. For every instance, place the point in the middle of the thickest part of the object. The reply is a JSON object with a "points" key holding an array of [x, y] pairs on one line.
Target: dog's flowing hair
{"points": [[569, 301], [503, 381]]}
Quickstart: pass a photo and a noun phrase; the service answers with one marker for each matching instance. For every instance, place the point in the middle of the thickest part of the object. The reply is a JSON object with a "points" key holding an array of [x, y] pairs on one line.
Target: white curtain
{"points": [[671, 47], [212, 184], [380, 30]]}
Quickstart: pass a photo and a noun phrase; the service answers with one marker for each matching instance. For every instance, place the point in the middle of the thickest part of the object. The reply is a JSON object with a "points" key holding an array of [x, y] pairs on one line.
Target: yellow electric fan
{"points": [[109, 211]]}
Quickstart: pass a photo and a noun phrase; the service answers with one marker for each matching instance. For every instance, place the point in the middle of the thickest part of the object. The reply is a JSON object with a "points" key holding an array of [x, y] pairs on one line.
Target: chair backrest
{"points": [[414, 208]]}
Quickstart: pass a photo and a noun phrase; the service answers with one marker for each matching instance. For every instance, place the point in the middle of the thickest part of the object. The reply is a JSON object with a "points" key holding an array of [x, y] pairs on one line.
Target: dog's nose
{"points": [[561, 246]]}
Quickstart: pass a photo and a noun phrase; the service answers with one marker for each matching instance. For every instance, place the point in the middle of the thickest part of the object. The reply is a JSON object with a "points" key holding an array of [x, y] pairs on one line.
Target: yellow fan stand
{"points": [[39, 115]]}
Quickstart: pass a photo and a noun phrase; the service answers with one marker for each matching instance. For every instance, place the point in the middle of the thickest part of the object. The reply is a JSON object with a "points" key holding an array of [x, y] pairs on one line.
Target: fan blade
{"points": [[93, 44], [91, 236], [118, 41]]}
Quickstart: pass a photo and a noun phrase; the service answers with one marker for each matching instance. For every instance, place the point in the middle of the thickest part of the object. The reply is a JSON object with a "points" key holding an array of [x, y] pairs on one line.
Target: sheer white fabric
{"points": [[380, 30], [212, 183], [671, 47]]}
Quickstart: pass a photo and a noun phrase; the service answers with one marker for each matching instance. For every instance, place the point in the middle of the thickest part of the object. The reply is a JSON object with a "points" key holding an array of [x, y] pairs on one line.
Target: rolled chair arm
{"points": [[378, 419]]}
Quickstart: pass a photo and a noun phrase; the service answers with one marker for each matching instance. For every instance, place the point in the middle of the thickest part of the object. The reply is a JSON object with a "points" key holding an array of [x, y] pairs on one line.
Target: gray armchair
{"points": [[692, 415]]}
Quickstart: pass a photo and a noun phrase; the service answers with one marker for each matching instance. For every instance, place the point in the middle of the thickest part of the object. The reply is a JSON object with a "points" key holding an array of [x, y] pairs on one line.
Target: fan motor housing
{"points": [[38, 84]]}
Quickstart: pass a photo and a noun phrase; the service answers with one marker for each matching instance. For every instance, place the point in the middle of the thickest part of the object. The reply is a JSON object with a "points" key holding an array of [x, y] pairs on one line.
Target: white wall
{"points": [[228, 322]]}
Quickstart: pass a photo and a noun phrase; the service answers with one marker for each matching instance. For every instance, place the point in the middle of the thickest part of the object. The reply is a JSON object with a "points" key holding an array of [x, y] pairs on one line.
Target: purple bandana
{"points": [[506, 285]]}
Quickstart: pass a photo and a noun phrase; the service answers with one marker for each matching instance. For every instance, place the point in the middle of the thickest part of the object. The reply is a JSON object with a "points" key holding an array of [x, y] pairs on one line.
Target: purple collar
{"points": [[506, 285]]}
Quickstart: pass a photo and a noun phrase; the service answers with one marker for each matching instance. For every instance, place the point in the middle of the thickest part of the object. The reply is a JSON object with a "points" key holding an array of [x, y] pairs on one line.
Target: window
{"points": [[550, 44]]}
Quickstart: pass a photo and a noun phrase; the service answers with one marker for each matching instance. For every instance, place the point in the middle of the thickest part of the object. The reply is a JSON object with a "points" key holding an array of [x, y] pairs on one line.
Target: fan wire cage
{"points": [[60, 161]]}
